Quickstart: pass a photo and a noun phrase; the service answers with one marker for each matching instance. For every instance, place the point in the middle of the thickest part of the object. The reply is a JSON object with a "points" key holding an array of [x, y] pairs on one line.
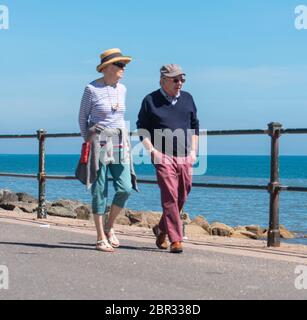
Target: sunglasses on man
{"points": [[176, 80], [120, 65]]}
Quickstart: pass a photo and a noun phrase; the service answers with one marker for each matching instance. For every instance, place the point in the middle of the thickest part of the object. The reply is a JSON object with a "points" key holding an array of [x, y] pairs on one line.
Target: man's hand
{"points": [[193, 156], [156, 156]]}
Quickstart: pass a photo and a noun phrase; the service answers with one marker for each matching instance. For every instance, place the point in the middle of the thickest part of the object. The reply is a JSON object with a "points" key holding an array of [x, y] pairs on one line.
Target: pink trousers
{"points": [[175, 181]]}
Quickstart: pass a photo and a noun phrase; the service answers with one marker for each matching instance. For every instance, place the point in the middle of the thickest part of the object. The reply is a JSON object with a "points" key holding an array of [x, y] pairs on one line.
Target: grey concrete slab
{"points": [[55, 264]]}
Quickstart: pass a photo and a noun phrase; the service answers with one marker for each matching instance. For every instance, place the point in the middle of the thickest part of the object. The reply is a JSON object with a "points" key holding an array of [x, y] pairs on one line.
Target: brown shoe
{"points": [[160, 238], [176, 247]]}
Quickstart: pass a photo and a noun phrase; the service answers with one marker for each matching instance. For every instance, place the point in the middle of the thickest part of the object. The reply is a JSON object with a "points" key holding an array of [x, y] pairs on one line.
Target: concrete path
{"points": [[61, 263]]}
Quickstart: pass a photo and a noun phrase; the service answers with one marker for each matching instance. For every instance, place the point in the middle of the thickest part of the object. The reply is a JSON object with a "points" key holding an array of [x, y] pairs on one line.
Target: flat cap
{"points": [[171, 70]]}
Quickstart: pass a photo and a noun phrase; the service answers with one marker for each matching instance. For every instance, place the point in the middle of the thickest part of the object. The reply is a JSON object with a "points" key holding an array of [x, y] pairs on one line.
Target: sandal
{"points": [[103, 245], [114, 242]]}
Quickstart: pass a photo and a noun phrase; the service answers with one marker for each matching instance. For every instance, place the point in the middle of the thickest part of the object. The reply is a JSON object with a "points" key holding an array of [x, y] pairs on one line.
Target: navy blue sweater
{"points": [[158, 113]]}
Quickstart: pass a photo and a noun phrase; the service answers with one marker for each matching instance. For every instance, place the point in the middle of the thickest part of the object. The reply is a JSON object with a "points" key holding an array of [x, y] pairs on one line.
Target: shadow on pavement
{"points": [[75, 246]]}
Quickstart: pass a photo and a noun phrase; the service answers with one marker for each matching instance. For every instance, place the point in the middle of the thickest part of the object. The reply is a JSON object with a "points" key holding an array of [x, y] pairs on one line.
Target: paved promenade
{"points": [[60, 262]]}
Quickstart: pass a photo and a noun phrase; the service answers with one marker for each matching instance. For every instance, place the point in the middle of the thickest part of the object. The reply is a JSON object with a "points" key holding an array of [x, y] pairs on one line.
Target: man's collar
{"points": [[169, 98]]}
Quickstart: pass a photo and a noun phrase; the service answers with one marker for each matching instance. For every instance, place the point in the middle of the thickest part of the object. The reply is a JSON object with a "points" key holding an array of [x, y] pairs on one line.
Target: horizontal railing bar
{"points": [[16, 175], [293, 189], [233, 132], [195, 184], [61, 177], [63, 135], [18, 136], [229, 186], [294, 131], [135, 134]]}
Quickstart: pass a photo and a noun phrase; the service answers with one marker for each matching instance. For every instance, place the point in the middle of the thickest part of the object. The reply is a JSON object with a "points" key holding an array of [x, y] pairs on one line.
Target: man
{"points": [[169, 129]]}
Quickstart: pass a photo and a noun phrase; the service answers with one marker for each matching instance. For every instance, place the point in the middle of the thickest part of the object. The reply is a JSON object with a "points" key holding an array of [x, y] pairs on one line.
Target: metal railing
{"points": [[274, 187]]}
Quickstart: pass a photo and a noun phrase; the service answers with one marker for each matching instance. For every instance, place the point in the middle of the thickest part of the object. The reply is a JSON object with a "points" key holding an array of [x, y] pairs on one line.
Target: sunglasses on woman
{"points": [[120, 65]]}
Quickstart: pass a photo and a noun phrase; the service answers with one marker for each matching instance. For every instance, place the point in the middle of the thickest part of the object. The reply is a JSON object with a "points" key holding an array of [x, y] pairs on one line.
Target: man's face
{"points": [[172, 86]]}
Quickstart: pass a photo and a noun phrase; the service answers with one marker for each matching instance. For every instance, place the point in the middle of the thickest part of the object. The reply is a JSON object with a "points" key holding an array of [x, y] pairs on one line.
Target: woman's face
{"points": [[115, 70]]}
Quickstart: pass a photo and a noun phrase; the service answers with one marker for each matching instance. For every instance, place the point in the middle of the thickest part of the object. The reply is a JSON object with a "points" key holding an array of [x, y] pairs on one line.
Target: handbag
{"points": [[85, 152]]}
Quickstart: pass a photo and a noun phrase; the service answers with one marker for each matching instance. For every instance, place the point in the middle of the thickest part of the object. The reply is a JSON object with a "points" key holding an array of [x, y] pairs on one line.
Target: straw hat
{"points": [[111, 56]]}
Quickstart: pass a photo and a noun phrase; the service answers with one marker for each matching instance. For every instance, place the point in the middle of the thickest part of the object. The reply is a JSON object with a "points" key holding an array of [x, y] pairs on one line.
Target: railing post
{"points": [[274, 186], [41, 213]]}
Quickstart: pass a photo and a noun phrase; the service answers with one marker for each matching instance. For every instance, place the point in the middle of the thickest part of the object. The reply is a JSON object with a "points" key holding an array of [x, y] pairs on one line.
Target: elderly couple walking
{"points": [[102, 125]]}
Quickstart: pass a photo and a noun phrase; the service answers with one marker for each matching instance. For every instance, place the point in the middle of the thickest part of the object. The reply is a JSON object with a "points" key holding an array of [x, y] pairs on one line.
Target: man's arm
{"points": [[194, 148], [148, 145], [143, 126], [195, 137]]}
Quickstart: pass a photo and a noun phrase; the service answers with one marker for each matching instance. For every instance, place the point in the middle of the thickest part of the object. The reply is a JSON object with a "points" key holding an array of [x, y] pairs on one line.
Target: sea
{"points": [[232, 207]]}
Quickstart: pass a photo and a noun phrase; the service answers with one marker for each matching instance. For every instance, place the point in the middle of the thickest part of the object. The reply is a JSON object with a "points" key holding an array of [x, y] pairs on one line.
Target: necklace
{"points": [[114, 107]]}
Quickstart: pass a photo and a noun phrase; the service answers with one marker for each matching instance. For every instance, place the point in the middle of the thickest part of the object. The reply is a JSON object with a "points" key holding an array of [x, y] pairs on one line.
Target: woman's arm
{"points": [[85, 110]]}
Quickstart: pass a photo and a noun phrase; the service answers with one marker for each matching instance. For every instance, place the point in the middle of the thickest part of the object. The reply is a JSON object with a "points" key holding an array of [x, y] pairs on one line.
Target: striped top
{"points": [[96, 106]]}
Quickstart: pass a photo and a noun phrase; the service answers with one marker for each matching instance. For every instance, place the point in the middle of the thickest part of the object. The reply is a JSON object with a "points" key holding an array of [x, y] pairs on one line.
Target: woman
{"points": [[103, 106]]}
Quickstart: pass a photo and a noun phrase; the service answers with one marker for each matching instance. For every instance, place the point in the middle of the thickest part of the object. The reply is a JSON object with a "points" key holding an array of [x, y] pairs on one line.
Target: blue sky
{"points": [[245, 64]]}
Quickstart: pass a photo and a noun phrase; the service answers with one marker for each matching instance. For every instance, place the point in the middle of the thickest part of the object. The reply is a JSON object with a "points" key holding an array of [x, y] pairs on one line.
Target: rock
{"points": [[17, 210], [69, 209], [240, 228], [239, 234], [202, 222], [252, 228], [135, 217], [67, 204], [122, 219], [220, 229], [8, 206], [185, 218], [27, 207], [285, 234], [152, 218], [1, 194], [24, 197], [23, 206], [147, 219], [61, 212], [195, 230], [244, 234], [8, 196], [257, 230], [83, 212]]}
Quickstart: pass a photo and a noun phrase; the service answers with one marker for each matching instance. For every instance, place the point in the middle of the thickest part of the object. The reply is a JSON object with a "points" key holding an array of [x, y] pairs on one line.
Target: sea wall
{"points": [[22, 202]]}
